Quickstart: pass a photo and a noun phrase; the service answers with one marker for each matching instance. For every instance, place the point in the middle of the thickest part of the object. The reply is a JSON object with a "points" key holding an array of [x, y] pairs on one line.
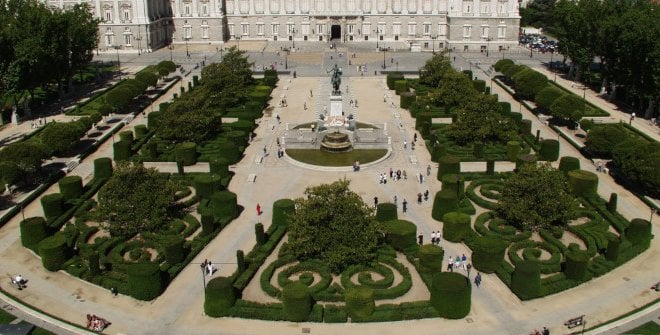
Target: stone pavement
{"points": [[495, 310]]}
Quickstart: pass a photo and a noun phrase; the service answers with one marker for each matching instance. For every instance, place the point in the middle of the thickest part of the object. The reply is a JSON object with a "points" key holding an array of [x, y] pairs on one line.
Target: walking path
{"points": [[495, 310]]}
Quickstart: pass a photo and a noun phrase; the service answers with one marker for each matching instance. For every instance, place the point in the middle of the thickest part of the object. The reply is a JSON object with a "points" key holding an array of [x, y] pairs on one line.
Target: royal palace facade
{"points": [[144, 25]]}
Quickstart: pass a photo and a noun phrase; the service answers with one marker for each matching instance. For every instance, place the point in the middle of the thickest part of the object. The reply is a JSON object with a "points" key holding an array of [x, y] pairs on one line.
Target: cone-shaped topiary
{"points": [[145, 280], [400, 234], [33, 231], [569, 163], [219, 296], [450, 294], [488, 253], [187, 153], [512, 150], [612, 252], [54, 252], [430, 258], [456, 226], [576, 264], [224, 204], [639, 232], [359, 302], [282, 208], [207, 184], [297, 301], [549, 150], [52, 205], [526, 280], [103, 168], [443, 203], [447, 165], [583, 183], [121, 150], [453, 183], [219, 167], [386, 212], [71, 187], [173, 246]]}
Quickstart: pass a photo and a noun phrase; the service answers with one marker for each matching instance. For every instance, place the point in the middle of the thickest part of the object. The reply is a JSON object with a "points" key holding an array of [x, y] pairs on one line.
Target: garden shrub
{"points": [[453, 183], [359, 302], [479, 85], [400, 86], [54, 252], [401, 234], [443, 202], [576, 264], [639, 232], [207, 184], [448, 164], [525, 127], [282, 208], [430, 258], [569, 163], [145, 280], [386, 212], [141, 131], [488, 253], [154, 119], [224, 204], [456, 226], [238, 137], [259, 233], [526, 280], [121, 151], [547, 96], [392, 78], [208, 223], [611, 205], [219, 297], [240, 261], [524, 159], [71, 187], [529, 82], [549, 150], [512, 150], [219, 167], [93, 263], [335, 314], [612, 251], [53, 205], [407, 99], [501, 63], [451, 294], [490, 166], [126, 135], [478, 149], [229, 151], [187, 153], [173, 247], [583, 183], [33, 231], [505, 107], [297, 302]]}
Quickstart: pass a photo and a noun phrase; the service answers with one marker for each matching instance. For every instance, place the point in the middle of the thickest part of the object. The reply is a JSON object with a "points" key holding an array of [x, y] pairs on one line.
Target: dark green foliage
{"points": [[27, 155], [154, 118], [52, 205], [145, 280], [639, 232], [525, 127], [430, 258], [219, 297], [613, 247], [529, 82], [490, 166], [602, 140], [230, 152], [71, 187], [224, 204], [392, 78], [180, 167], [400, 234], [335, 314], [400, 86], [238, 137], [208, 223], [219, 167], [174, 251], [121, 151], [450, 294], [297, 302], [479, 85], [386, 211], [93, 261], [359, 302], [569, 163], [147, 78], [525, 159], [126, 135], [444, 202], [512, 150], [186, 153], [479, 119], [549, 150], [576, 264], [102, 168], [611, 205], [547, 96], [282, 209], [569, 107], [10, 173], [207, 184], [140, 131], [448, 164], [453, 183], [526, 280], [478, 149], [54, 252], [638, 162], [501, 63], [240, 261], [259, 233], [33, 231], [583, 183], [456, 226], [407, 99], [505, 107], [488, 253]]}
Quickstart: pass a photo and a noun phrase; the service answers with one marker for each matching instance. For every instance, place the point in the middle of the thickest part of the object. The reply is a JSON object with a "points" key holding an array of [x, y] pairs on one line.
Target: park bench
{"points": [[574, 322], [413, 159], [656, 287], [70, 166], [252, 178], [258, 159]]}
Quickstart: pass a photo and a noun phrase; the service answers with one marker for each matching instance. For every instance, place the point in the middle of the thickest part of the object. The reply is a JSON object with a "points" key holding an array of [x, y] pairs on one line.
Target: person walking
{"points": [[428, 170], [375, 201], [258, 210], [405, 205], [469, 267], [477, 279]]}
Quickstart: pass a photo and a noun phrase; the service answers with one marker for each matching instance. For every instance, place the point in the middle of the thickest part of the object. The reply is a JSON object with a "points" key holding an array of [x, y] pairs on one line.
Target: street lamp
{"points": [[187, 51], [286, 60], [488, 39], [383, 58], [118, 62], [377, 37], [293, 37], [433, 43], [238, 42], [138, 39], [170, 47]]}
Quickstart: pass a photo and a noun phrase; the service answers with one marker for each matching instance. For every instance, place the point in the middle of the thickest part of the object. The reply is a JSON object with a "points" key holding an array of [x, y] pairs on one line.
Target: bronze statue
{"points": [[336, 79]]}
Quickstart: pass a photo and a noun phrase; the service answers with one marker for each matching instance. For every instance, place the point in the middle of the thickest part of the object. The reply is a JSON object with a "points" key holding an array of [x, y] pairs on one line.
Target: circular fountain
{"points": [[336, 142]]}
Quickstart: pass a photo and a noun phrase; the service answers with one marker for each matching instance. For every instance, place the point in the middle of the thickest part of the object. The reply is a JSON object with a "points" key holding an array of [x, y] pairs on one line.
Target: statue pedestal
{"points": [[336, 106]]}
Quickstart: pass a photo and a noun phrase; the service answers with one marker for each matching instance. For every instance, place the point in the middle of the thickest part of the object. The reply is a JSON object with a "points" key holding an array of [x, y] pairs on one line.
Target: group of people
{"points": [[435, 238], [19, 281], [545, 331], [208, 267], [394, 176], [96, 323], [40, 122]]}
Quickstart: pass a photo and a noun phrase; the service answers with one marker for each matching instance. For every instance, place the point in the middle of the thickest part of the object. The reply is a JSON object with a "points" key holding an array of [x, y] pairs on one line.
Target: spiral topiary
{"points": [[145, 280], [71, 187], [583, 183], [549, 150], [52, 205], [450, 294], [569, 163], [526, 280], [448, 164], [33, 231], [219, 167], [224, 204], [121, 150], [430, 258], [443, 203], [207, 184], [359, 302], [219, 297], [639, 232], [512, 150], [453, 183], [576, 264], [54, 252], [297, 302], [102, 168], [456, 226], [488, 253], [187, 153], [173, 248], [400, 234], [386, 212], [282, 209]]}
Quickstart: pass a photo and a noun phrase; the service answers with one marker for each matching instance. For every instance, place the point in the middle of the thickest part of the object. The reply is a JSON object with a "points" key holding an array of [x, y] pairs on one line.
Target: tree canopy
{"points": [[334, 225], [639, 161], [435, 69], [479, 119]]}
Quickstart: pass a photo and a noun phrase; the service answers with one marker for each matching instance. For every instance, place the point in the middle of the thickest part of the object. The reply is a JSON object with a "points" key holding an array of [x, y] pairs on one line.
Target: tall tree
{"points": [[480, 120], [435, 69]]}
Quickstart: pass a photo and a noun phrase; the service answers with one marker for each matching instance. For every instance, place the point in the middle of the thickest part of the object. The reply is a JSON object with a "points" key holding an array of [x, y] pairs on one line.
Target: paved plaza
{"points": [[179, 310]]}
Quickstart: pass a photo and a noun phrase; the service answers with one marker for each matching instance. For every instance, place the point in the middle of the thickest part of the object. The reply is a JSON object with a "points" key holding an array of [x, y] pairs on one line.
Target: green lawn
{"points": [[649, 328], [6, 317], [322, 158]]}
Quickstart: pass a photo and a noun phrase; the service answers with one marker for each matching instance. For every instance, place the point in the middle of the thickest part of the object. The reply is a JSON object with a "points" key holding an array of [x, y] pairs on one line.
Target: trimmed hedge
{"points": [[187, 153], [126, 136], [569, 163], [488, 253], [208, 224], [359, 302], [611, 204], [512, 150], [71, 187], [453, 183], [220, 167], [219, 297], [297, 302], [33, 231], [259, 233], [407, 99], [140, 131], [639, 232], [612, 251], [392, 78], [443, 203], [173, 247], [207, 184], [386, 212], [576, 264], [282, 208], [524, 159], [145, 280], [102, 168], [450, 294], [583, 183], [224, 204], [526, 280], [430, 258], [121, 151], [52, 205], [401, 234], [400, 86], [549, 150], [54, 252], [456, 226], [448, 165]]}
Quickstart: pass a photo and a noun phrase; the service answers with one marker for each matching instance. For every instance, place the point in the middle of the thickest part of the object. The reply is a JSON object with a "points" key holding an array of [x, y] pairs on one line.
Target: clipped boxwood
{"points": [[297, 302], [549, 150], [612, 251], [173, 247], [282, 209], [524, 159], [121, 150], [359, 302], [238, 137], [154, 119], [430, 258], [229, 151], [126, 135], [386, 212], [583, 183], [407, 99], [392, 78], [400, 86], [33, 231], [569, 163], [456, 226], [71, 187], [576, 264], [208, 223], [207, 184], [450, 294], [145, 280], [488, 253], [54, 252], [526, 127], [639, 232], [219, 297], [448, 165], [224, 204], [400, 234], [453, 183], [512, 150], [187, 153], [443, 203], [259, 233], [526, 280], [220, 167], [102, 168], [140, 130], [52, 205]]}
